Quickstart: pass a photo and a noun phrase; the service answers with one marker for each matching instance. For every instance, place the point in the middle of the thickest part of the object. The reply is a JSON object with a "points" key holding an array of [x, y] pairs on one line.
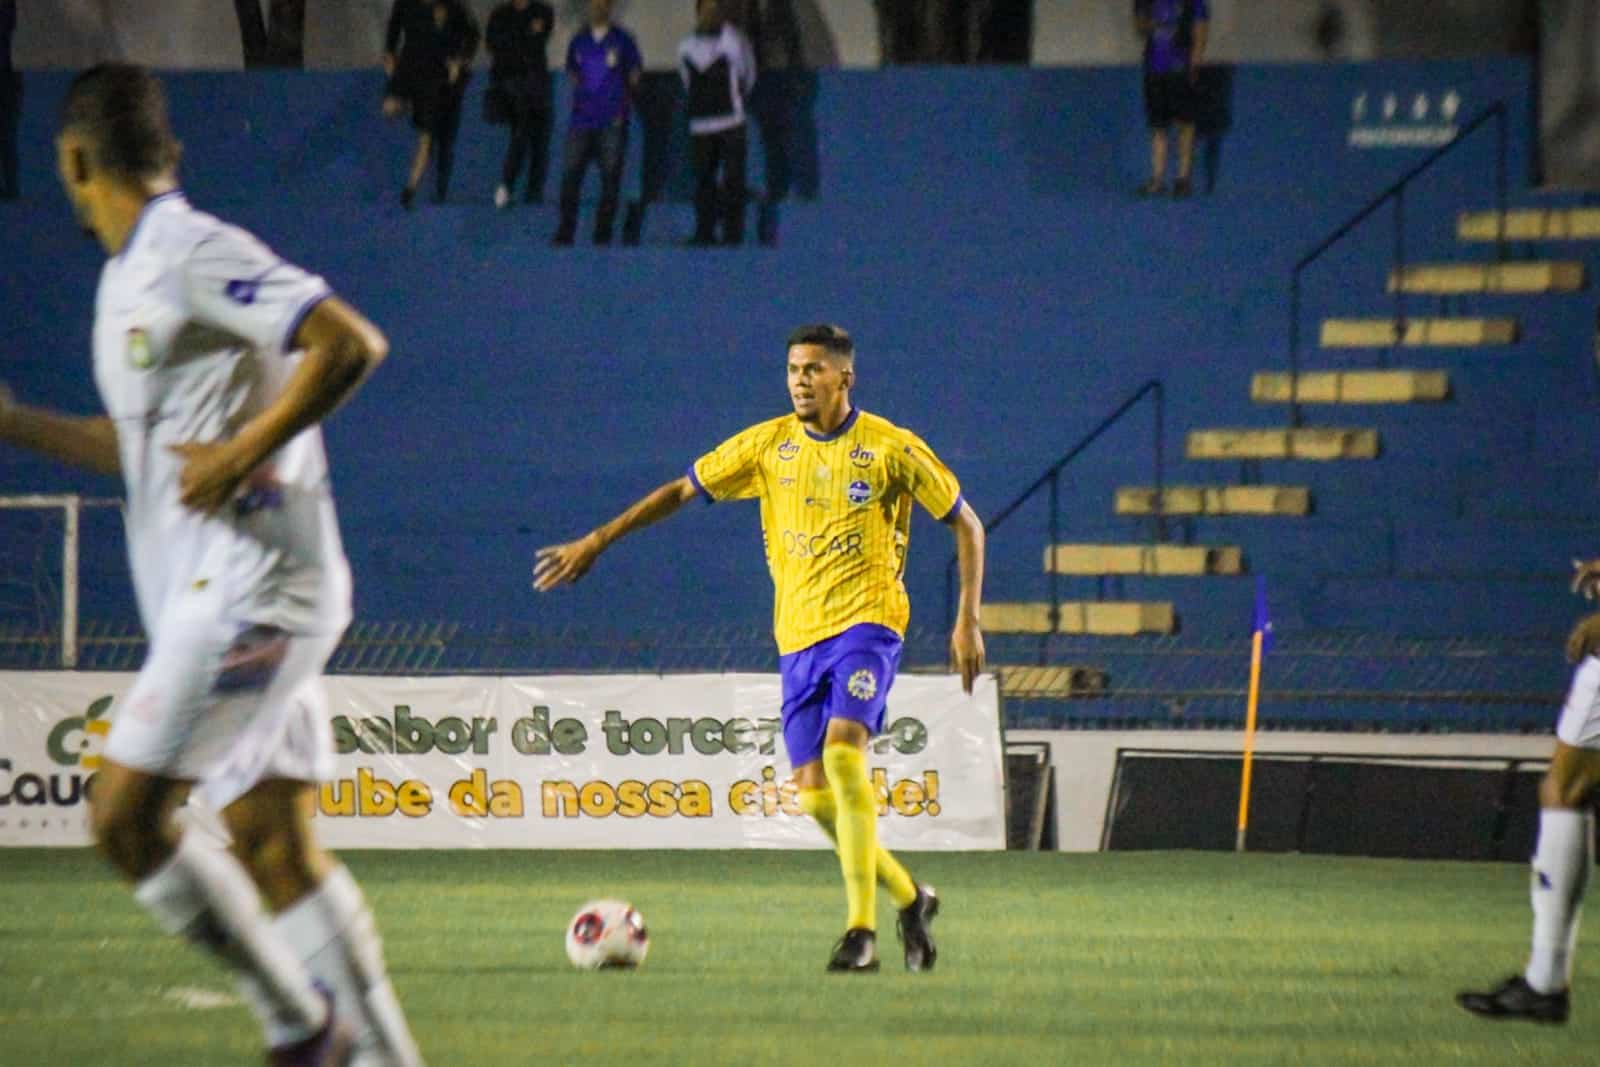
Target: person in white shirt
{"points": [[215, 361], [719, 70]]}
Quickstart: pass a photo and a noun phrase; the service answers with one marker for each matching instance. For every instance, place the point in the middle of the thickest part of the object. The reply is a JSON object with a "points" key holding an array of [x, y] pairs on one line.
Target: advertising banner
{"points": [[582, 761]]}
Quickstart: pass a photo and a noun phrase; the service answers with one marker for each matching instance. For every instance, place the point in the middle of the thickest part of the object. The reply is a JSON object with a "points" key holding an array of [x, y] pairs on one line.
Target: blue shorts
{"points": [[845, 677]]}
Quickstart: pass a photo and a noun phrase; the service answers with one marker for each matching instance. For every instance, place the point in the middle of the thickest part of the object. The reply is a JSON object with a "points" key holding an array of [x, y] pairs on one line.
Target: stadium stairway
{"points": [[1450, 330]]}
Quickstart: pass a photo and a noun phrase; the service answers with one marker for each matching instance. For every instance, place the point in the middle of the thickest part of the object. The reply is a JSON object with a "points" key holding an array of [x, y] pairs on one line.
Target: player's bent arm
{"points": [[563, 564], [89, 441], [966, 639], [339, 348]]}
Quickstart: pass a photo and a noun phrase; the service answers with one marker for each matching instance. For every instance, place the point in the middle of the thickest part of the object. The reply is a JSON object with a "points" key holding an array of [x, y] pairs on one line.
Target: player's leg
{"points": [[419, 164], [320, 912], [1182, 184], [736, 154], [613, 151], [1562, 861], [1157, 119], [199, 892], [574, 161]]}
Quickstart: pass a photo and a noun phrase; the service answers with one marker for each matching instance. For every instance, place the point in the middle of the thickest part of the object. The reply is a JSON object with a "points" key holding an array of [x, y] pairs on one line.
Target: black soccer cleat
{"points": [[914, 929], [1516, 999], [856, 951]]}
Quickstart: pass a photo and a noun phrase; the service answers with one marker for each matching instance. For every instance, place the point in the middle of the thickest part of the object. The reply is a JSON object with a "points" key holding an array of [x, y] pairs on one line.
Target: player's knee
{"points": [[1564, 787], [129, 837], [272, 854]]}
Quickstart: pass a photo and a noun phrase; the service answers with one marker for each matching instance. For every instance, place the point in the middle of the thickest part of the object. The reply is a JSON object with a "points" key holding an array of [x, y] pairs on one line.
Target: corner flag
{"points": [[1260, 642]]}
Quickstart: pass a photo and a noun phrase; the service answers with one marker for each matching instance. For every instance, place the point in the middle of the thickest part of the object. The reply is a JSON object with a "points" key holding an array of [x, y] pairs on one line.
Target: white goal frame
{"points": [[71, 507]]}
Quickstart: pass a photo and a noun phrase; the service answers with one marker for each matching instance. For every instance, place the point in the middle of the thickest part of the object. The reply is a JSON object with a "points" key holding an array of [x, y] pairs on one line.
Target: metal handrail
{"points": [[1052, 478], [1397, 193]]}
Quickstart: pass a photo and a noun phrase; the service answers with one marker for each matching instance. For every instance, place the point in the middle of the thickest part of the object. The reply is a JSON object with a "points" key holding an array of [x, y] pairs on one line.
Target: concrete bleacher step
{"points": [[1022, 683], [1534, 276], [1099, 617], [1531, 224], [1162, 560], [1418, 333], [1304, 442], [1351, 387], [1185, 500]]}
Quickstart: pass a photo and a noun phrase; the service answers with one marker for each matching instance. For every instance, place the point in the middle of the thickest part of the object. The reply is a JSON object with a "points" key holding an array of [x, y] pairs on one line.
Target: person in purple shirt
{"points": [[1174, 35], [604, 63]]}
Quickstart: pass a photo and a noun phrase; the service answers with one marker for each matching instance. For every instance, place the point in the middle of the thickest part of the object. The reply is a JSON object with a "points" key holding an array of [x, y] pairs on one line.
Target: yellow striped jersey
{"points": [[835, 517]]}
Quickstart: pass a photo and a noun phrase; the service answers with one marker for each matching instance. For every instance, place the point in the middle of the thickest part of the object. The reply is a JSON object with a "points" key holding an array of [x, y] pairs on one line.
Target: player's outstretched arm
{"points": [[966, 639], [565, 564], [89, 442], [339, 349]]}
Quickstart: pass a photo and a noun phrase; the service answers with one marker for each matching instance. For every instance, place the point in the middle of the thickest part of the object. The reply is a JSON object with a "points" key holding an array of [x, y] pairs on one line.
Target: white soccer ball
{"points": [[607, 933]]}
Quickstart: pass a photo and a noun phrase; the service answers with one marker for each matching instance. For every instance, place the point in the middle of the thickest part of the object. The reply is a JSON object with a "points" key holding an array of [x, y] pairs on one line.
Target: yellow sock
{"points": [[856, 824], [818, 803]]}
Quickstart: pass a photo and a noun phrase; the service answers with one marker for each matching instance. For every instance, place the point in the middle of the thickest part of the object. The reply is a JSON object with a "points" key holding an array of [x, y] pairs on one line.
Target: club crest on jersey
{"points": [[859, 492], [788, 450], [861, 457], [863, 684], [243, 290], [140, 357]]}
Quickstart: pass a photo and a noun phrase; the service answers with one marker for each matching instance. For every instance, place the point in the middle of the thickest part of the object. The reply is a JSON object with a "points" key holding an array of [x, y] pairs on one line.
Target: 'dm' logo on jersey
{"points": [[862, 457], [788, 450], [863, 684], [139, 354]]}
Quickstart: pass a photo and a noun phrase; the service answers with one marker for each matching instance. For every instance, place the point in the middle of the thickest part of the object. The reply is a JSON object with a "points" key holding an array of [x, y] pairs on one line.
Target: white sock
{"points": [[1561, 864], [333, 931], [204, 895]]}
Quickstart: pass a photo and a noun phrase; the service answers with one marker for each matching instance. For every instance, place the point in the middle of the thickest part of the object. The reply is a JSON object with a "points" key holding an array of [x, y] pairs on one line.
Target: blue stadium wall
{"points": [[976, 230]]}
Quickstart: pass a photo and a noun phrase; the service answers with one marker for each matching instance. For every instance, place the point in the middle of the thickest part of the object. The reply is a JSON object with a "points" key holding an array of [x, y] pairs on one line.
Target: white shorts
{"points": [[226, 708], [1579, 725]]}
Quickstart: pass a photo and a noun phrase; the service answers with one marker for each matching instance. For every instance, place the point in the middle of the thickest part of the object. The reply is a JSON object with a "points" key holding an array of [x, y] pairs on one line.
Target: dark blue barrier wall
{"points": [[976, 230]]}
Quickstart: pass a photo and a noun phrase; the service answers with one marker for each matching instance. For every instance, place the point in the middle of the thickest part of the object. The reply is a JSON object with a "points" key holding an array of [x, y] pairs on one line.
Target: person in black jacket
{"points": [[718, 68], [427, 50], [10, 104], [519, 88]]}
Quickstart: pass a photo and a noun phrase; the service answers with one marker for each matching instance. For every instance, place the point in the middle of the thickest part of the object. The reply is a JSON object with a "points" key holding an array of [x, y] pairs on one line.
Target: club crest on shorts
{"points": [[863, 684], [139, 355]]}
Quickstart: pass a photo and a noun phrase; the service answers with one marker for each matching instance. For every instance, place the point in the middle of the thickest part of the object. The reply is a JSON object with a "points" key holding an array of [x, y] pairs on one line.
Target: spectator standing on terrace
{"points": [[519, 86], [427, 50], [1174, 34], [604, 63], [719, 70], [10, 104]]}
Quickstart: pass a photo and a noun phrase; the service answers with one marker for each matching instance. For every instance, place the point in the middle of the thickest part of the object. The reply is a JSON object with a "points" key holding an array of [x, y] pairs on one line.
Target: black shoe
{"points": [[562, 239], [408, 196], [1153, 187], [914, 930], [1182, 189], [857, 950], [1516, 999]]}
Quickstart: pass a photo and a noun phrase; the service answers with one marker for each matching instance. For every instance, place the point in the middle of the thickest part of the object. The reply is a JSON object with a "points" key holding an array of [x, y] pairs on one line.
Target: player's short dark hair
{"points": [[122, 111], [833, 339]]}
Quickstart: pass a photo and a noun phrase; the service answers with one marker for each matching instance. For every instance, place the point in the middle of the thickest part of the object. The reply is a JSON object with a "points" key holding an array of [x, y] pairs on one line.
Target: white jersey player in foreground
{"points": [[1563, 858], [215, 360]]}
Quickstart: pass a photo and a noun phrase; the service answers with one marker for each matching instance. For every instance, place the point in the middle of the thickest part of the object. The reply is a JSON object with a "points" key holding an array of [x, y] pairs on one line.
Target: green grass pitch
{"points": [[1153, 958]]}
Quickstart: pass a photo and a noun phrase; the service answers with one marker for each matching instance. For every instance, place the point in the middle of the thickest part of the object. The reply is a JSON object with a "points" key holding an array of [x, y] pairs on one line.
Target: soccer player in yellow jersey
{"points": [[836, 485]]}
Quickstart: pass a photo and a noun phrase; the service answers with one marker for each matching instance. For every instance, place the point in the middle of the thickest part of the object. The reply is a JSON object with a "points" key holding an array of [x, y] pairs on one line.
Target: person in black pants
{"points": [[519, 83], [604, 63], [427, 50], [719, 69], [10, 104]]}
